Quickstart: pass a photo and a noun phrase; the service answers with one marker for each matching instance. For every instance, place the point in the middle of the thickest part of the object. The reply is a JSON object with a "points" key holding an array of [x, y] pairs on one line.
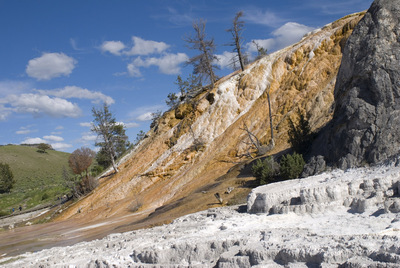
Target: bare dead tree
{"points": [[237, 39], [254, 141], [202, 63], [270, 116]]}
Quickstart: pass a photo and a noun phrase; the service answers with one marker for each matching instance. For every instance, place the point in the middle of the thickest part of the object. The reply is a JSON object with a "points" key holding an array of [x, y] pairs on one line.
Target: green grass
{"points": [[38, 176]]}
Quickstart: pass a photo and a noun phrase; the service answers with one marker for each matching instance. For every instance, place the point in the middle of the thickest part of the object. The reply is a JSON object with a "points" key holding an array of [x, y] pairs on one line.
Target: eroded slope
{"points": [[199, 142]]}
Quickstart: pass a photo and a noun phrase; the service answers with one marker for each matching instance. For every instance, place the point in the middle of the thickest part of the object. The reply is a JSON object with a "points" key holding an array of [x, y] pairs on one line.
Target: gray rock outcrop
{"points": [[366, 124]]}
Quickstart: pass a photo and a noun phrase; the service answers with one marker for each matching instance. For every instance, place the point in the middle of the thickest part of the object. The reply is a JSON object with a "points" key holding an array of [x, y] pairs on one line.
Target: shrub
{"points": [[291, 166], [45, 196], [265, 171]]}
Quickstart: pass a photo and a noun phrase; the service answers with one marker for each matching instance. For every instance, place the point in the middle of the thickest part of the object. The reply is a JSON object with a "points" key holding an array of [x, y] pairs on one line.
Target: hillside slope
{"points": [[35, 173], [199, 148]]}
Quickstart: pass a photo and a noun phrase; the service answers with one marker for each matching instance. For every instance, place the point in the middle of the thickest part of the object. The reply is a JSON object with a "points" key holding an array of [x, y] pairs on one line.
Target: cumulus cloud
{"points": [[146, 47], [131, 125], [284, 36], [113, 47], [88, 138], [79, 93], [146, 53], [33, 141], [50, 65], [54, 141], [13, 87], [60, 146], [85, 124], [38, 105], [145, 117], [25, 130], [145, 113], [225, 59], [53, 138], [4, 112], [167, 64]]}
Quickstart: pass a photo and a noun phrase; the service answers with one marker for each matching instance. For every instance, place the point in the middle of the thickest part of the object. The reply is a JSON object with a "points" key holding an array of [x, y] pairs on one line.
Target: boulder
{"points": [[365, 126]]}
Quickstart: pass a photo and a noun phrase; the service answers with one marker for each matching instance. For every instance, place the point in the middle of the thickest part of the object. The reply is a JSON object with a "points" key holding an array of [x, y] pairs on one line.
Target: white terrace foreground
{"points": [[342, 218]]}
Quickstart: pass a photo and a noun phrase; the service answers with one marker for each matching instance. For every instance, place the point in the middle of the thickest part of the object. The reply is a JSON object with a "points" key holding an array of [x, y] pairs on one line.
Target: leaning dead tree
{"points": [[202, 63], [254, 141], [270, 116], [237, 39]]}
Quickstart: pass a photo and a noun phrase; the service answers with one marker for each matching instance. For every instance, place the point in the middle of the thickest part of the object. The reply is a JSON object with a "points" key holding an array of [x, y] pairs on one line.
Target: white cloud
{"points": [[113, 47], [60, 146], [37, 105], [4, 112], [54, 141], [85, 124], [33, 141], [79, 93], [145, 117], [59, 127], [225, 59], [50, 65], [167, 64], [131, 125], [13, 87], [146, 47], [53, 138], [88, 138], [284, 36], [128, 125], [25, 130], [145, 113]]}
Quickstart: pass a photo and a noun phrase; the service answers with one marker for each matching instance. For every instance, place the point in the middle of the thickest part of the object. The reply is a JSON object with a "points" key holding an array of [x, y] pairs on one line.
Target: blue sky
{"points": [[58, 59]]}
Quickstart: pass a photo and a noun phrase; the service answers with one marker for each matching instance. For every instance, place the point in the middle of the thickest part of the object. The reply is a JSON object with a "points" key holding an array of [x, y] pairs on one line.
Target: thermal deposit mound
{"points": [[191, 148]]}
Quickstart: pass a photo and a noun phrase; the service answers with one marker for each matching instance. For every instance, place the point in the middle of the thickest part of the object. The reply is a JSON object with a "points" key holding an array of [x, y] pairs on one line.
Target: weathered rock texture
{"points": [[328, 190], [366, 121]]}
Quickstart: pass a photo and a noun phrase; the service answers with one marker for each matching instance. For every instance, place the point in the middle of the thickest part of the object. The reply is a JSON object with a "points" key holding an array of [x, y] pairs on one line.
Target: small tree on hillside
{"points": [[261, 51], [202, 63], [291, 166], [265, 170], [42, 147], [110, 133], [6, 178], [191, 84]]}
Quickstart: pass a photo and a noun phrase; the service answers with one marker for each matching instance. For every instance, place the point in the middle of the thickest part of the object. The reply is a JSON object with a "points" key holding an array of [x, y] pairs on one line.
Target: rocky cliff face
{"points": [[365, 125], [188, 155]]}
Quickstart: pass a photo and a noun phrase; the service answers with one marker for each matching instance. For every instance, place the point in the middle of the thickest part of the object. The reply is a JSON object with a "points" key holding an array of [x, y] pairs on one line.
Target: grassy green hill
{"points": [[38, 176]]}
